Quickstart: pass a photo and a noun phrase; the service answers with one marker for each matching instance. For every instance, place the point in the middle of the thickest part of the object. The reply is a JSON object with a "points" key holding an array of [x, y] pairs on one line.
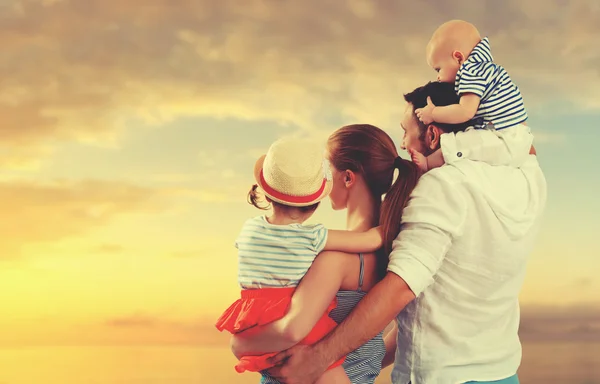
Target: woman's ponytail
{"points": [[369, 151], [393, 204]]}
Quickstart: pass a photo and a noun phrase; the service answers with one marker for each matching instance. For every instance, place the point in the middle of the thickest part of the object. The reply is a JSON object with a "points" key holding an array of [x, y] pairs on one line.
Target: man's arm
{"points": [[371, 315], [390, 341], [434, 215]]}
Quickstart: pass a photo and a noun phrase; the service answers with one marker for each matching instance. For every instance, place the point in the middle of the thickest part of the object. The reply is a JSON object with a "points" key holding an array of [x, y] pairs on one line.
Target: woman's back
{"points": [[363, 365]]}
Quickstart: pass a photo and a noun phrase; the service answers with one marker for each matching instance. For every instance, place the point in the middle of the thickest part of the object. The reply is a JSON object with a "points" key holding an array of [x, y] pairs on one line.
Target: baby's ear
{"points": [[458, 56]]}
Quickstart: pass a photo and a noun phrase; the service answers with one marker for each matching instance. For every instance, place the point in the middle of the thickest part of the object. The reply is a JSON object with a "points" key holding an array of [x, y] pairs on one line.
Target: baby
{"points": [[487, 94]]}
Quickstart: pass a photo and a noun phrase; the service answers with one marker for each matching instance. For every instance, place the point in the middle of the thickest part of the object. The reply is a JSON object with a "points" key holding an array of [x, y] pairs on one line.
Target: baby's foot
{"points": [[419, 159]]}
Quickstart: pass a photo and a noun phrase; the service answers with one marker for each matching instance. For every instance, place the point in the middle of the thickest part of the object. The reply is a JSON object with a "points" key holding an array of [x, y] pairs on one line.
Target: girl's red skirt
{"points": [[263, 306]]}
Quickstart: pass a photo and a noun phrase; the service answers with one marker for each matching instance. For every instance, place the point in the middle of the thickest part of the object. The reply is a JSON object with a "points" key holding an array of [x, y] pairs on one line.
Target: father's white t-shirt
{"points": [[466, 236]]}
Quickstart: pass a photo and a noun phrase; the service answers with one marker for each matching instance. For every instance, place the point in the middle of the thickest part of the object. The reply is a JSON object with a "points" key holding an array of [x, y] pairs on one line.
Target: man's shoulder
{"points": [[477, 177], [460, 175], [447, 174], [439, 181]]}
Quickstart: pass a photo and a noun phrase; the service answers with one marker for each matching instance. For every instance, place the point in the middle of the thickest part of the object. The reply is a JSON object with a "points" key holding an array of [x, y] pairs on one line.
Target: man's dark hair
{"points": [[441, 94]]}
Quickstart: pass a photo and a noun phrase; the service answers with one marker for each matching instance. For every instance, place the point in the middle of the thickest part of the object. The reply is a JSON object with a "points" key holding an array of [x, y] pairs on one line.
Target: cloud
{"points": [[82, 70], [561, 323], [537, 324], [148, 329], [550, 323], [132, 321], [35, 212], [217, 191]]}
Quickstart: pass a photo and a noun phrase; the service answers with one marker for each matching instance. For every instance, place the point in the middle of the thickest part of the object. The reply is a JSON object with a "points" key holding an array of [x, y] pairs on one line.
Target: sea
{"points": [[543, 363]]}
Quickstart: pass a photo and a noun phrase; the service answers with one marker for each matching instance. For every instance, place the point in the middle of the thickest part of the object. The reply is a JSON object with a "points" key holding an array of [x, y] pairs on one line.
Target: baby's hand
{"points": [[419, 159], [425, 114]]}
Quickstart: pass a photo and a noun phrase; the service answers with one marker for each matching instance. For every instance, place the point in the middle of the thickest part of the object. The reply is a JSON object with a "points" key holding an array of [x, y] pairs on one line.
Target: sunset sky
{"points": [[128, 135]]}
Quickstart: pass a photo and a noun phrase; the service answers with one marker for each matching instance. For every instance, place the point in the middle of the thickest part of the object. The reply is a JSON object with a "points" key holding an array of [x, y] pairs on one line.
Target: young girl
{"points": [[276, 251]]}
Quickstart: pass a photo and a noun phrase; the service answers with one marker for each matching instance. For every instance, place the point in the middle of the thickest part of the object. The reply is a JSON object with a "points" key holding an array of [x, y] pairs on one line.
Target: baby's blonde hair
{"points": [[454, 35]]}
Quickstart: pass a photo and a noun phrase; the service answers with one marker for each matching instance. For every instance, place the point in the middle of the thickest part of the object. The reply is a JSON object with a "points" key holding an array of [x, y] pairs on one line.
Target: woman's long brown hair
{"points": [[368, 150]]}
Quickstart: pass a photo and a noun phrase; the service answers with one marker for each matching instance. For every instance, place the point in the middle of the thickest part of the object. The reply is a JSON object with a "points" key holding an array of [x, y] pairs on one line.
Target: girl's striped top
{"points": [[501, 101], [276, 255]]}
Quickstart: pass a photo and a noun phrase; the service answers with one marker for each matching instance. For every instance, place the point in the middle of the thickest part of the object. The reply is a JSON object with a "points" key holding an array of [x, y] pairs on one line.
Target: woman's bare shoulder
{"points": [[346, 266], [332, 258]]}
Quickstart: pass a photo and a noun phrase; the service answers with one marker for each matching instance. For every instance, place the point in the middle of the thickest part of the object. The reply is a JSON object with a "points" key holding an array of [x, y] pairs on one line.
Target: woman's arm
{"points": [[354, 242], [310, 301]]}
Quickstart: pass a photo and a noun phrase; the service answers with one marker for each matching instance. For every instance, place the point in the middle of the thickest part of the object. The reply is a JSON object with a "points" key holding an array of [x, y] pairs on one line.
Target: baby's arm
{"points": [[510, 146], [354, 242], [450, 114]]}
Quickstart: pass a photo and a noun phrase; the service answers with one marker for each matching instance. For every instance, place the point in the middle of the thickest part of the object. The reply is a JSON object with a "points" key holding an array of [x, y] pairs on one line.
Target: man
{"points": [[455, 271]]}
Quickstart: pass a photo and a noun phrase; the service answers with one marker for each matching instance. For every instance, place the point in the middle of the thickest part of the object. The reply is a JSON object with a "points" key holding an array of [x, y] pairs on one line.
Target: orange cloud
{"points": [[44, 212], [568, 323], [147, 329], [537, 324], [80, 70]]}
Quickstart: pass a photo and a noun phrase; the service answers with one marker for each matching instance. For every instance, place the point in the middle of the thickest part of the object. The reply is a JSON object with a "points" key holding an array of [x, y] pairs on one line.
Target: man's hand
{"points": [[425, 114], [300, 364]]}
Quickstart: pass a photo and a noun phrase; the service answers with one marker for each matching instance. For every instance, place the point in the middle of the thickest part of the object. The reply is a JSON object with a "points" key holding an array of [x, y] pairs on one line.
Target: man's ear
{"points": [[432, 137]]}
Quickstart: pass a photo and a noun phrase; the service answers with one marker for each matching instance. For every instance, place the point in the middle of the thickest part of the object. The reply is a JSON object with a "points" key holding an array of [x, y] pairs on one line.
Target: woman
{"points": [[363, 159]]}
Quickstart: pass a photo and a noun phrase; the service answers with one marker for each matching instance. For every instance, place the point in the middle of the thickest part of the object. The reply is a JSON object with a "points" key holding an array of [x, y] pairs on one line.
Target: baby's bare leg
{"points": [[435, 160], [419, 160], [334, 376]]}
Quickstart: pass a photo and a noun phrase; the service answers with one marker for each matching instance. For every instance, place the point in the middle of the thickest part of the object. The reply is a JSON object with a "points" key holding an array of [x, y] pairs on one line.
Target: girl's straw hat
{"points": [[294, 173]]}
